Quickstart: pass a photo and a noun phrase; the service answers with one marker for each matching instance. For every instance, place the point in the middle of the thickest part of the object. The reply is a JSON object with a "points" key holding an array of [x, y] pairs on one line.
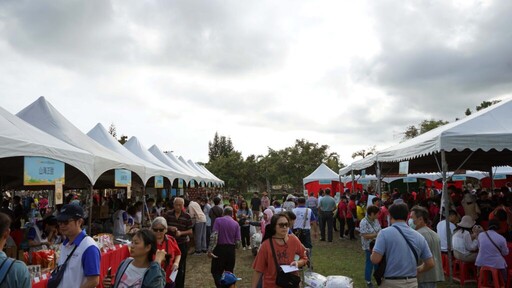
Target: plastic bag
{"points": [[314, 280], [45, 258], [339, 282]]}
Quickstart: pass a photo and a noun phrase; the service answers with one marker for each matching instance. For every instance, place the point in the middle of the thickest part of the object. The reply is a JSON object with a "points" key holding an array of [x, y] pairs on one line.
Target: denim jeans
{"points": [[369, 267]]}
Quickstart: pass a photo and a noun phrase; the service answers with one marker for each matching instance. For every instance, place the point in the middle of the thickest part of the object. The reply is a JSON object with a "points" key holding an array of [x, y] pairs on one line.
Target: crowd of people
{"points": [[161, 234]]}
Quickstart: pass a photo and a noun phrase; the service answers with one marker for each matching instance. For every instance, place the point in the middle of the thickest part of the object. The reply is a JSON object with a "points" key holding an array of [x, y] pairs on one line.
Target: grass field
{"points": [[341, 257]]}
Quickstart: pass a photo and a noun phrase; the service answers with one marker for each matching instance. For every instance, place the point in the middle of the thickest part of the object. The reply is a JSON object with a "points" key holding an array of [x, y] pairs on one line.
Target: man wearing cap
{"points": [[83, 266], [225, 238], [397, 243]]}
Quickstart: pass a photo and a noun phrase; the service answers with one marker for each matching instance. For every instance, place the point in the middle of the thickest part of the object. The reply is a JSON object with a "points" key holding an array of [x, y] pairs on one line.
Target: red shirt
{"points": [[171, 246], [342, 210], [352, 209]]}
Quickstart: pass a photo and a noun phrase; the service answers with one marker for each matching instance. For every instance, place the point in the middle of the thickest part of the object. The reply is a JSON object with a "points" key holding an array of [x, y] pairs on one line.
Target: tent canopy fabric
{"points": [[101, 135], [155, 151], [43, 115], [19, 139], [322, 172], [133, 145], [192, 165], [479, 141]]}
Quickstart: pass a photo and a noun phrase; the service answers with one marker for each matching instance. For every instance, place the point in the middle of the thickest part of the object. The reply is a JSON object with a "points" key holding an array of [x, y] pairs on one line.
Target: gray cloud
{"points": [[441, 59]]}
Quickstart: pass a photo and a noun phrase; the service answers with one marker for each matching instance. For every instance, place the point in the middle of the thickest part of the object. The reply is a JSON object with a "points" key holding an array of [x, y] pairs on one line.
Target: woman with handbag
{"points": [[492, 249], [244, 215], [369, 229], [278, 248], [140, 270]]}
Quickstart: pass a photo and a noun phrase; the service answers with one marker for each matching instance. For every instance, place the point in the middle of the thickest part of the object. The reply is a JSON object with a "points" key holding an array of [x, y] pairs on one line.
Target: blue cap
{"points": [[228, 278], [70, 211]]}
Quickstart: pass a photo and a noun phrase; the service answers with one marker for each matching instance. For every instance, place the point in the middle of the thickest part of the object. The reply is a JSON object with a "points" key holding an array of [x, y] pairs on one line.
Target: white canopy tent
{"points": [[155, 151], [101, 135], [220, 182], [193, 165], [133, 145], [322, 172], [44, 116], [18, 138], [183, 166]]}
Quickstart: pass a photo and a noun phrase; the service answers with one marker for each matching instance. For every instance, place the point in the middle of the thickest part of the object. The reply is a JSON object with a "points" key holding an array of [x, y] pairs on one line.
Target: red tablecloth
{"points": [[112, 258], [42, 283]]}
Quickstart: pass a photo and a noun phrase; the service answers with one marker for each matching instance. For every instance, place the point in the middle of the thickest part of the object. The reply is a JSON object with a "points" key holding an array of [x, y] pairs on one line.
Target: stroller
{"points": [[256, 237]]}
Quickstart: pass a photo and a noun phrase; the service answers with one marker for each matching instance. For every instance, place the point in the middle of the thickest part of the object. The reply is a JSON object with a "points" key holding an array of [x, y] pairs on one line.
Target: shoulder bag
{"points": [[5, 268], [298, 232], [58, 272], [409, 244], [284, 280], [499, 250]]}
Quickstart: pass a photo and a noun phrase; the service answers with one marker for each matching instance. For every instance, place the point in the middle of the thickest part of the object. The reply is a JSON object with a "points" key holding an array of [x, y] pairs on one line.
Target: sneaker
{"points": [[369, 285], [243, 248]]}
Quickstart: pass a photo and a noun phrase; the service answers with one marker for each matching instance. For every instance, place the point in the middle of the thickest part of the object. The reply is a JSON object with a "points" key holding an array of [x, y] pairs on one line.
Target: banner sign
{"points": [[59, 194], [192, 184], [164, 194], [123, 178], [363, 181], [180, 183], [458, 178], [42, 171], [324, 182], [410, 180], [499, 177], [403, 168], [159, 181], [363, 173]]}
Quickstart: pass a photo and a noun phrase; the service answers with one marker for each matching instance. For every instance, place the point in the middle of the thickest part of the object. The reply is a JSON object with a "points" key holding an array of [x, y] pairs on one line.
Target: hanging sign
{"points": [[403, 168], [458, 178], [59, 195], [159, 181], [180, 183], [363, 173], [363, 181], [499, 177], [410, 180], [164, 194], [42, 171], [192, 184], [128, 192], [123, 178], [324, 182]]}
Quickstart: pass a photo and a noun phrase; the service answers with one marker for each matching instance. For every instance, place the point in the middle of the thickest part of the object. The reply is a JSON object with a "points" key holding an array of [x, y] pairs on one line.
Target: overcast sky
{"points": [[349, 74]]}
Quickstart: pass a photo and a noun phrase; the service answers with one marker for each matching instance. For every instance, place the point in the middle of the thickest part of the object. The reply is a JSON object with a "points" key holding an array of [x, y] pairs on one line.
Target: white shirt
{"points": [[132, 277], [441, 231], [463, 243], [300, 213]]}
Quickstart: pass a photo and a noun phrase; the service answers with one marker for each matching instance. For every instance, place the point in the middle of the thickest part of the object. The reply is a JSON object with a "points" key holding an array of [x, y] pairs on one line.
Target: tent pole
{"points": [[353, 182], [91, 201], [446, 200], [378, 172], [491, 176], [144, 207]]}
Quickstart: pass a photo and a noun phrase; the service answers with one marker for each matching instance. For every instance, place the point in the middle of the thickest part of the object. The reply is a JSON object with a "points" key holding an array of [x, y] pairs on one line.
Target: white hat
{"points": [[466, 222]]}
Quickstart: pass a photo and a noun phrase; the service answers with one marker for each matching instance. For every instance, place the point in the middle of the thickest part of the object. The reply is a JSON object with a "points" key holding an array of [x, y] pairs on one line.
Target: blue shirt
{"points": [[399, 257], [18, 276], [90, 258]]}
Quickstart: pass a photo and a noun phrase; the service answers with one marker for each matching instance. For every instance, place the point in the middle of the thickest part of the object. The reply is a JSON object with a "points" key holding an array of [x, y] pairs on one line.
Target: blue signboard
{"points": [[458, 178], [123, 178], [159, 181], [410, 180], [363, 181], [192, 183], [42, 171], [164, 194], [324, 182], [499, 177], [180, 183]]}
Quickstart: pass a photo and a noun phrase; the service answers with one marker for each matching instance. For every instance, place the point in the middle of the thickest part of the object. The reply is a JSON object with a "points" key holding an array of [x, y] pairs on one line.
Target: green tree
{"points": [[411, 132], [112, 130], [123, 139], [486, 104], [468, 112], [427, 125], [220, 146], [364, 152]]}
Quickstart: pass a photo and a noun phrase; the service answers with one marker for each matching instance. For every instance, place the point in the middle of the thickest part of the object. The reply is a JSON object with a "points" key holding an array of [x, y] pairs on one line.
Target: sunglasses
{"points": [[283, 225], [159, 230]]}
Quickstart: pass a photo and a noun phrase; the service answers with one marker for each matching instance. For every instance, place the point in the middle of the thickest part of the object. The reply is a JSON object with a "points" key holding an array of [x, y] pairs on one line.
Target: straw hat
{"points": [[466, 222]]}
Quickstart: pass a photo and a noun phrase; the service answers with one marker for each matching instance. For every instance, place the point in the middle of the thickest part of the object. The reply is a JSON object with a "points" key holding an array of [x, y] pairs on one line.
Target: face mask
{"points": [[411, 224]]}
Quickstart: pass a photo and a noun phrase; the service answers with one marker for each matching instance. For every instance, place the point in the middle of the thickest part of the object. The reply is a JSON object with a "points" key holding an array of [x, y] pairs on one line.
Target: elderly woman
{"points": [[492, 249], [168, 244], [464, 241]]}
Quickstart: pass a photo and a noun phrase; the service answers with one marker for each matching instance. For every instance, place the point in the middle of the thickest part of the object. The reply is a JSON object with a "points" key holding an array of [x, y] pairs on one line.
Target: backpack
{"points": [[4, 268]]}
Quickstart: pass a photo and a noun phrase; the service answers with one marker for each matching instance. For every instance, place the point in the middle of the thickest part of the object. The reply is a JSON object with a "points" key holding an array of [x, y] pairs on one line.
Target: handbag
{"points": [[58, 272], [284, 280], [378, 273]]}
